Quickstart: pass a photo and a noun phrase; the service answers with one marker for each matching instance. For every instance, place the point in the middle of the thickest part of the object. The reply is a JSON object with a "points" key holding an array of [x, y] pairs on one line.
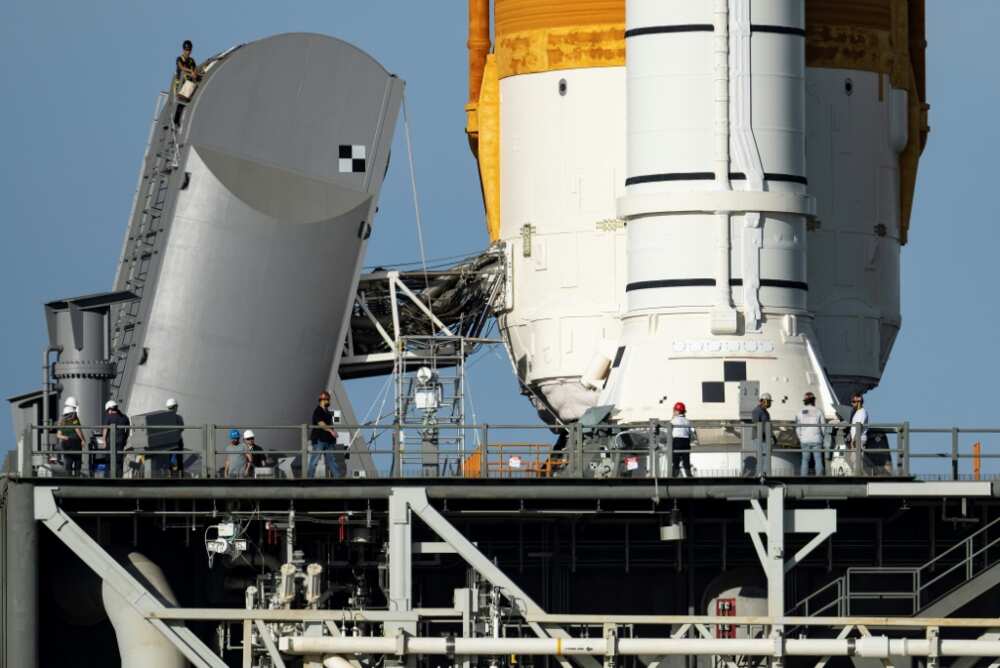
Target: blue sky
{"points": [[82, 77]]}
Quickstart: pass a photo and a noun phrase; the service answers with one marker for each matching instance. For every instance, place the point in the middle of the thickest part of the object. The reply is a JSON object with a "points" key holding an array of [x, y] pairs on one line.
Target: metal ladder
{"points": [[145, 238], [924, 585]]}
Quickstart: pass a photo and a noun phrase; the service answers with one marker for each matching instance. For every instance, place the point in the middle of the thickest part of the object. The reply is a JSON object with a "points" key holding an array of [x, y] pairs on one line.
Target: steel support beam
{"points": [[272, 649], [416, 499], [400, 571], [477, 489], [20, 575], [119, 579]]}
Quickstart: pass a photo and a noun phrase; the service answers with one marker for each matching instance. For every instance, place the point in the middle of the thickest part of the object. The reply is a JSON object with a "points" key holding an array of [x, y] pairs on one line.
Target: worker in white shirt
{"points": [[859, 429], [681, 435], [809, 428]]}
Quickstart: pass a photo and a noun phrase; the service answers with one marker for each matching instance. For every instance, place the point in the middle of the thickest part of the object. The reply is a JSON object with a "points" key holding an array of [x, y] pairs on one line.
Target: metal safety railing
{"points": [[914, 587], [720, 449]]}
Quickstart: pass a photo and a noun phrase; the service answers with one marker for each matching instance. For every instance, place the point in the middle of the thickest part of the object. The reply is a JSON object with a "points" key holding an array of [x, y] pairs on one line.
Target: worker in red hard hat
{"points": [[682, 432]]}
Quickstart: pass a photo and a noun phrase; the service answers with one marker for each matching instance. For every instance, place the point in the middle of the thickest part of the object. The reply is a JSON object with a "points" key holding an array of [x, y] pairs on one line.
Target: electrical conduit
{"points": [[723, 318]]}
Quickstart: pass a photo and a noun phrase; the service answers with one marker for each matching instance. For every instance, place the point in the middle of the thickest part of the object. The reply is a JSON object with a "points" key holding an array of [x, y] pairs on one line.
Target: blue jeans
{"points": [[333, 459], [808, 450]]}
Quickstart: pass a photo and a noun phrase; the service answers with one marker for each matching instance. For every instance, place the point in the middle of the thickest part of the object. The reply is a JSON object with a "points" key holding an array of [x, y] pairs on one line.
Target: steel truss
{"points": [[766, 527]]}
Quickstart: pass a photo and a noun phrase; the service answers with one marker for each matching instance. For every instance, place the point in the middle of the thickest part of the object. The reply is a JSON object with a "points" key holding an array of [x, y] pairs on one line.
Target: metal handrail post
{"points": [[954, 453], [304, 447], [670, 450], [577, 435], [484, 448], [968, 558], [209, 434], [904, 436], [768, 449], [397, 449], [841, 597], [759, 431], [653, 430], [113, 447]]}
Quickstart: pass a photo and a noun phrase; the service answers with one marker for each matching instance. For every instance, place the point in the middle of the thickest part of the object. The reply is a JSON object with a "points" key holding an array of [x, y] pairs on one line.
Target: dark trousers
{"points": [[72, 461], [682, 455], [178, 112]]}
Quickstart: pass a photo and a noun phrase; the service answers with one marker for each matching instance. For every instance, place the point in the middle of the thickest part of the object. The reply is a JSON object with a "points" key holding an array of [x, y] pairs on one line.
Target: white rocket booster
{"points": [[716, 204], [667, 236]]}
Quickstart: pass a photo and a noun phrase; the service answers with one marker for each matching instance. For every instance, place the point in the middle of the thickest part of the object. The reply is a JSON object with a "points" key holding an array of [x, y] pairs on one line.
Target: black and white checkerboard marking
{"points": [[352, 158], [714, 391]]}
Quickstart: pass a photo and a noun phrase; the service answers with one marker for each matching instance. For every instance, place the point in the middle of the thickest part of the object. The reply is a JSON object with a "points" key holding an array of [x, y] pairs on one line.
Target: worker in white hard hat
{"points": [[116, 433], [255, 454], [176, 461], [71, 402], [71, 438]]}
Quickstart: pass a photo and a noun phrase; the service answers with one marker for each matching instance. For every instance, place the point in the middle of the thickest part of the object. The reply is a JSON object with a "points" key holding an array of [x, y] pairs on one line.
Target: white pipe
{"points": [[867, 647], [140, 644], [724, 317]]}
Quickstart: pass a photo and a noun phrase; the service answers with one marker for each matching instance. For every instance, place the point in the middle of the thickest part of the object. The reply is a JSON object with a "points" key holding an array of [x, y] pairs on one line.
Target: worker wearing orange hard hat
{"points": [[682, 432]]}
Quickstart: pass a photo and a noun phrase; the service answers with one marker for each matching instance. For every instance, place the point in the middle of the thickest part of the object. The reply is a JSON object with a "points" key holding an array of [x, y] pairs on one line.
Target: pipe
{"points": [[46, 392], [723, 320], [867, 647], [140, 644]]}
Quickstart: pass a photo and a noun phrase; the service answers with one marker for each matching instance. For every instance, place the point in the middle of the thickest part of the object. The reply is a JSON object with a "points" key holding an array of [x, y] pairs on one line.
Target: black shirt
{"points": [[120, 430], [184, 62], [760, 414], [320, 414], [257, 457]]}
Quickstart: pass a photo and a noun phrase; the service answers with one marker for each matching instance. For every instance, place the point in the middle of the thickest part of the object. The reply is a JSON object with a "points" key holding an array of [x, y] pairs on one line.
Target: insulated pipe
{"points": [[139, 643], [868, 647]]}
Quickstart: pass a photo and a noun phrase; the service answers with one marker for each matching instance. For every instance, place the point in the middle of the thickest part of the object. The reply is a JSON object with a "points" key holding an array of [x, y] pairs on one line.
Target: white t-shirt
{"points": [[860, 432], [682, 427], [808, 423]]}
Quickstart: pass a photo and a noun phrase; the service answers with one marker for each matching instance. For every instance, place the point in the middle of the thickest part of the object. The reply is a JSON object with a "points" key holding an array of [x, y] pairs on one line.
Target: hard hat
{"points": [[68, 410], [248, 434], [765, 397], [171, 403], [234, 434], [71, 401], [680, 407], [109, 404]]}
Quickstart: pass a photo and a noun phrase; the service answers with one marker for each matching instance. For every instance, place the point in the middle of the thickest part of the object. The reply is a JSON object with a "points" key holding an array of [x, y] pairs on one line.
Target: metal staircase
{"points": [[936, 588], [144, 241]]}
